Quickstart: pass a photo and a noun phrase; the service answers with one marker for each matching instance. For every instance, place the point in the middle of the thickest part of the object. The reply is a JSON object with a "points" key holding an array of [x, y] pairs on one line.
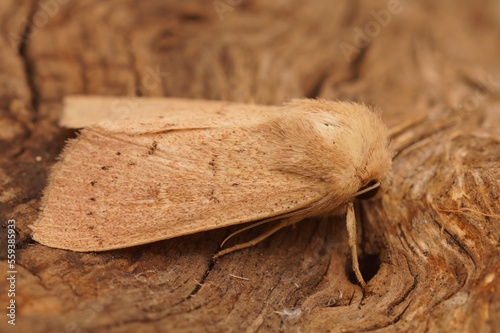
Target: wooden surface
{"points": [[429, 243]]}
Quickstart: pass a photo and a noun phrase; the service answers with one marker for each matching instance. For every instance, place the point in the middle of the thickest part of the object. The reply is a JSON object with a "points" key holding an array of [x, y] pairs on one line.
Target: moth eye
{"points": [[371, 193]]}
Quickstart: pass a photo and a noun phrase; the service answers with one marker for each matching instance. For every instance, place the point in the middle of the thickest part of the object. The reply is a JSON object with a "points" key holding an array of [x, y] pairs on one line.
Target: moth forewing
{"points": [[174, 167], [200, 178]]}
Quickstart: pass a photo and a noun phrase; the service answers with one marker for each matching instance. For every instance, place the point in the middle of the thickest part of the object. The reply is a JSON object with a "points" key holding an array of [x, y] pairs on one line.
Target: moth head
{"points": [[373, 157], [355, 137], [342, 144]]}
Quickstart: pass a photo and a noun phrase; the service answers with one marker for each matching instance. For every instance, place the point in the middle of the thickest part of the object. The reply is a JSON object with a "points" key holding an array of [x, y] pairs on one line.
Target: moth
{"points": [[160, 168]]}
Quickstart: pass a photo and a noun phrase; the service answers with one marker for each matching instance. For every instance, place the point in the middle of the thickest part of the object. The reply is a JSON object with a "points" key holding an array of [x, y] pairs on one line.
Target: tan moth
{"points": [[172, 167]]}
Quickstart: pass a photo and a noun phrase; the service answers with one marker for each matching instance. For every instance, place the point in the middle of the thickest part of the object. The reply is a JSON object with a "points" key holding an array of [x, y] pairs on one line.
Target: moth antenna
{"points": [[461, 211], [394, 131], [284, 223], [367, 189]]}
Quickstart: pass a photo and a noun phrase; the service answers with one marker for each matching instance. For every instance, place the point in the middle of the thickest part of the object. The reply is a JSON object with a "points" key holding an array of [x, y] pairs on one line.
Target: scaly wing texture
{"points": [[115, 189], [153, 114]]}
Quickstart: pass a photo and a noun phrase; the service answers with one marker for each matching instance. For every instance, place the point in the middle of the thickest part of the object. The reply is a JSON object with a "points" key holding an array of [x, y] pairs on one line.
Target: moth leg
{"points": [[351, 231], [243, 230], [284, 223]]}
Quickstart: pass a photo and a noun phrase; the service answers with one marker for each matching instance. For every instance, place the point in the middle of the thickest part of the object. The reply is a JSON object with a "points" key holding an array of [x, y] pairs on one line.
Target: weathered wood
{"points": [[430, 241]]}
